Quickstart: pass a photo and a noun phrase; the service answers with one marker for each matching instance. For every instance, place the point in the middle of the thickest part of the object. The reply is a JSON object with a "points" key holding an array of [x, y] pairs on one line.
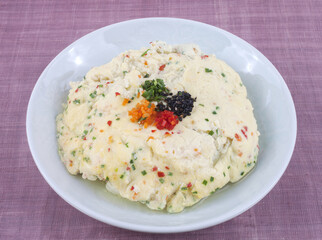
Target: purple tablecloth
{"points": [[33, 32]]}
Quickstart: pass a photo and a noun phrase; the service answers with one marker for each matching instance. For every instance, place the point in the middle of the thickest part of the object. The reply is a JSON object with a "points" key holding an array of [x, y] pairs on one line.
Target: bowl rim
{"points": [[162, 229]]}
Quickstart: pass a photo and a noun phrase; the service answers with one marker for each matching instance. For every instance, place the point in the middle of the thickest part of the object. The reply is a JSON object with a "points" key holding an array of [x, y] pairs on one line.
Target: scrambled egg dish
{"points": [[165, 126]]}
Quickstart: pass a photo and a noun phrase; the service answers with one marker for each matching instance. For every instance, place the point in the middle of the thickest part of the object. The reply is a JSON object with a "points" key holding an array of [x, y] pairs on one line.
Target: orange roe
{"points": [[144, 113]]}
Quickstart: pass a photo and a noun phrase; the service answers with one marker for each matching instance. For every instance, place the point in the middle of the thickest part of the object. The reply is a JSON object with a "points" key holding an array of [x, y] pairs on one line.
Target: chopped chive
{"points": [[214, 112], [249, 164], [184, 188], [228, 167], [207, 70], [145, 53], [195, 192], [242, 173], [217, 131], [89, 117], [101, 85], [206, 119], [117, 119], [217, 107], [224, 174], [146, 75], [170, 173], [143, 172], [103, 94], [122, 176], [103, 165], [217, 189], [73, 153], [93, 94], [142, 119], [76, 101], [223, 75], [161, 180], [211, 132], [205, 182], [94, 138], [127, 145], [107, 179], [133, 167], [131, 161], [124, 72], [212, 179], [85, 132]]}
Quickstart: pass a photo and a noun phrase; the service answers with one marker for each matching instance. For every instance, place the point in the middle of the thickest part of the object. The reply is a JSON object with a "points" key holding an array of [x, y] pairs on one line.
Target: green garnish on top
{"points": [[145, 53], [208, 70], [155, 90]]}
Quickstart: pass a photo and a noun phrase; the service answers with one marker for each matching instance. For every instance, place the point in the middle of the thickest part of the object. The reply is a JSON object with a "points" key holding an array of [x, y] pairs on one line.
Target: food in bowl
{"points": [[165, 126]]}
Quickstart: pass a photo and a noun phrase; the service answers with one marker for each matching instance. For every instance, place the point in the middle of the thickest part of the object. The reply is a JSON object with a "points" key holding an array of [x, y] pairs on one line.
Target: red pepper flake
{"points": [[189, 185], [246, 128], [109, 122], [128, 168], [69, 102], [108, 149], [204, 56], [238, 137], [76, 90], [132, 188], [161, 68], [154, 168], [161, 174], [153, 131], [166, 120], [166, 167], [244, 133], [127, 56], [84, 138], [117, 93]]}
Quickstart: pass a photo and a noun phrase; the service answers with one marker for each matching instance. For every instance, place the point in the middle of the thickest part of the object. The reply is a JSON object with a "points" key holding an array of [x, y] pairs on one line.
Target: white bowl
{"points": [[273, 108]]}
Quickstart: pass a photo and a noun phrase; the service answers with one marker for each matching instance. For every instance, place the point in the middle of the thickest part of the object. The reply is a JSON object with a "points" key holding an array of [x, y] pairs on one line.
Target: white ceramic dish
{"points": [[273, 108]]}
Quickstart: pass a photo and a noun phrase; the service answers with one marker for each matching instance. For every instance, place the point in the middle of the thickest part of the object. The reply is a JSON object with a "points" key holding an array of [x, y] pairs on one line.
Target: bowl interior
{"points": [[271, 99]]}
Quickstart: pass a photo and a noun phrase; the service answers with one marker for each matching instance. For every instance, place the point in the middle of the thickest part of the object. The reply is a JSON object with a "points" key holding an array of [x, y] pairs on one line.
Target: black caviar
{"points": [[180, 104]]}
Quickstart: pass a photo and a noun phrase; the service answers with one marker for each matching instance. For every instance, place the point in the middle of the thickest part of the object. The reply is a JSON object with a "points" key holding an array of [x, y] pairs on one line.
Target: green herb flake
{"points": [[217, 131], [93, 94], [85, 132], [133, 167], [127, 145], [206, 119], [170, 173], [242, 173], [89, 117], [124, 72], [195, 192], [145, 53], [200, 104], [142, 119], [223, 75], [86, 159], [249, 164], [122, 176], [211, 132], [212, 179], [205, 182], [146, 75], [100, 85], [73, 153], [93, 138], [117, 119], [207, 70], [214, 112], [100, 114], [143, 172], [217, 107], [103, 94], [161, 180], [228, 167], [224, 174], [184, 188], [103, 165], [107, 178], [76, 101]]}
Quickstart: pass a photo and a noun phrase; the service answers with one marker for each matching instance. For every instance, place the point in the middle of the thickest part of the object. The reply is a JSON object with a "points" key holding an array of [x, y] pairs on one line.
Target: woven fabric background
{"points": [[33, 32]]}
